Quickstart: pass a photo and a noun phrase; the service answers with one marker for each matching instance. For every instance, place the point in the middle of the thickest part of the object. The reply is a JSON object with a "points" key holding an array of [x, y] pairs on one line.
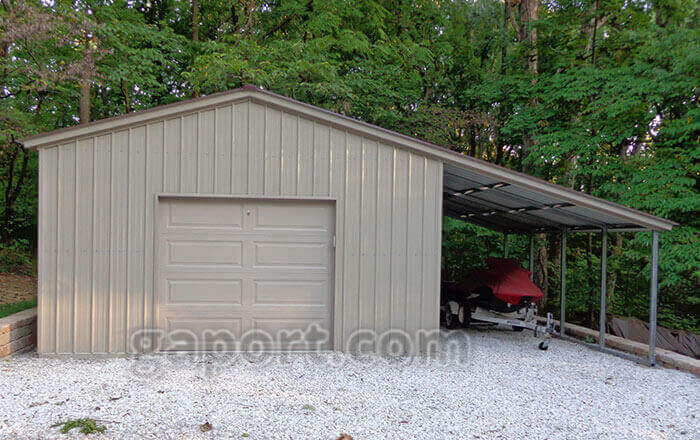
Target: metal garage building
{"points": [[248, 212]]}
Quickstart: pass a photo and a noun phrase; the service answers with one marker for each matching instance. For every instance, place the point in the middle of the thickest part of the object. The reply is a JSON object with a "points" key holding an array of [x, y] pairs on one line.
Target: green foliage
{"points": [[9, 309], [86, 426], [465, 247], [17, 257], [611, 111]]}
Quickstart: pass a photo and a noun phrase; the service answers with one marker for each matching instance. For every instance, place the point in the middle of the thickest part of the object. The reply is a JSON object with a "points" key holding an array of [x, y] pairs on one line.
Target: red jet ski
{"points": [[501, 293], [504, 285]]}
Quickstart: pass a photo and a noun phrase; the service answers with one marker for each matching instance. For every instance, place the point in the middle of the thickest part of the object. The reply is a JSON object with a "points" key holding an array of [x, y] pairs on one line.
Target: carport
{"points": [[515, 203]]}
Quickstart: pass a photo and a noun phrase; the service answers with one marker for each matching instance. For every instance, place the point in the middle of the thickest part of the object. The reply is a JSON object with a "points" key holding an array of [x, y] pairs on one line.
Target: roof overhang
{"points": [[515, 202]]}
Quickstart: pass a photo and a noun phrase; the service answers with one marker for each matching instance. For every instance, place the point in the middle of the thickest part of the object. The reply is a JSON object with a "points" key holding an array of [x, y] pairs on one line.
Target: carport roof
{"points": [[474, 190]]}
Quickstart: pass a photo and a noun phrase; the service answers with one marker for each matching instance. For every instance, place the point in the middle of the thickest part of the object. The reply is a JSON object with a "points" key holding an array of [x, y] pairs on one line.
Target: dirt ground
{"points": [[15, 288]]}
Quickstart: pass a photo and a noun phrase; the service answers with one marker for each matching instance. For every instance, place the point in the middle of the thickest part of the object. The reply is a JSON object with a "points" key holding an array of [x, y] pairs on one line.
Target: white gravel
{"points": [[500, 386]]}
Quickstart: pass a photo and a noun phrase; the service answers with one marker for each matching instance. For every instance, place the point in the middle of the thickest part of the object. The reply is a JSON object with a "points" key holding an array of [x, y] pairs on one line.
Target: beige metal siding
{"points": [[97, 209]]}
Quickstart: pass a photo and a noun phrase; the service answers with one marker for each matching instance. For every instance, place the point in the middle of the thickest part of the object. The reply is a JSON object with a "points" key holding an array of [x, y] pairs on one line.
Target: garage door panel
{"points": [[204, 333], [199, 252], [291, 254], [205, 213], [294, 332], [204, 291], [263, 272], [295, 292], [285, 312], [252, 273], [245, 235], [203, 311], [304, 218]]}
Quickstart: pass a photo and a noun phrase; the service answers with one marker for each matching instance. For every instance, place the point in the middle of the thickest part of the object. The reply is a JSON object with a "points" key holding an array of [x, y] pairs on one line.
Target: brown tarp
{"points": [[680, 341]]}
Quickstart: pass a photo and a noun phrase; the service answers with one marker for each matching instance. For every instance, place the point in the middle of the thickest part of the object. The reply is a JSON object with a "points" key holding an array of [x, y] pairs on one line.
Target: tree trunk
{"points": [[195, 20], [500, 145], [85, 98], [529, 12], [527, 34]]}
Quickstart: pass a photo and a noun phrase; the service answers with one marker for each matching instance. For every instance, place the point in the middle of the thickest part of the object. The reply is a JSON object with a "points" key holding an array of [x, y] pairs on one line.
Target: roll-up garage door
{"points": [[244, 274]]}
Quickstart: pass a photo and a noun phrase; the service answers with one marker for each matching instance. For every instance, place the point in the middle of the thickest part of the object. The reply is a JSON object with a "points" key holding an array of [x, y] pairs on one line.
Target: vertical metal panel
{"points": [[368, 235], [399, 238], [256, 149], [206, 131], [321, 156], [48, 249], [118, 241], [385, 179], [65, 293], [155, 151], [273, 152], [414, 245], [432, 245], [290, 151], [353, 231], [96, 280], [173, 150], [223, 149], [82, 329], [101, 226], [305, 157], [239, 165], [189, 156], [338, 178], [135, 295]]}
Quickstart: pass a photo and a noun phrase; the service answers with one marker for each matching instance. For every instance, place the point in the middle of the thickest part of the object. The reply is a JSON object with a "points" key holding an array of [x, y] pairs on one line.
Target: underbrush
{"points": [[17, 256]]}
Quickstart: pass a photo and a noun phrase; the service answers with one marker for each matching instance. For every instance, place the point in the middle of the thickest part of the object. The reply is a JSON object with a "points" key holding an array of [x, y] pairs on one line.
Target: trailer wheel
{"points": [[544, 345], [464, 315], [451, 320]]}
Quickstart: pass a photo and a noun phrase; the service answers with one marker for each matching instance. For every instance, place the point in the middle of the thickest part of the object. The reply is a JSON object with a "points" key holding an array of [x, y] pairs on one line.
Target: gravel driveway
{"points": [[497, 386]]}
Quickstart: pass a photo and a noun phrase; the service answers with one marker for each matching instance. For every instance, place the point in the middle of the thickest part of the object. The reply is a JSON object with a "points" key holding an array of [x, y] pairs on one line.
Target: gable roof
{"points": [[475, 190]]}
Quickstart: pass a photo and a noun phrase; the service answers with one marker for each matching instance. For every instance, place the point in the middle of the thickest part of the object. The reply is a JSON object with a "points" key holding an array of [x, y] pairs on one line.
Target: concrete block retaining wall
{"points": [[18, 333]]}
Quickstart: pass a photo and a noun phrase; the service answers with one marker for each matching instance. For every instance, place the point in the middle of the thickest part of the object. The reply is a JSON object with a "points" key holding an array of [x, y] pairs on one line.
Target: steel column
{"points": [[532, 256], [505, 245], [603, 283], [562, 316], [653, 296]]}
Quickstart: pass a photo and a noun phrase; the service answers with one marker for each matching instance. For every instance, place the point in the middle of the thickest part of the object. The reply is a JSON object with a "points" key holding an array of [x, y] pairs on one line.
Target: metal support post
{"points": [[603, 284], [653, 296], [562, 316], [505, 245], [532, 256]]}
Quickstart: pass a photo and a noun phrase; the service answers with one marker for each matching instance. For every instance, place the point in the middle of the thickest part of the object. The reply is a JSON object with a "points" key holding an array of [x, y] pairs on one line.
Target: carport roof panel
{"points": [[510, 208], [589, 211]]}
